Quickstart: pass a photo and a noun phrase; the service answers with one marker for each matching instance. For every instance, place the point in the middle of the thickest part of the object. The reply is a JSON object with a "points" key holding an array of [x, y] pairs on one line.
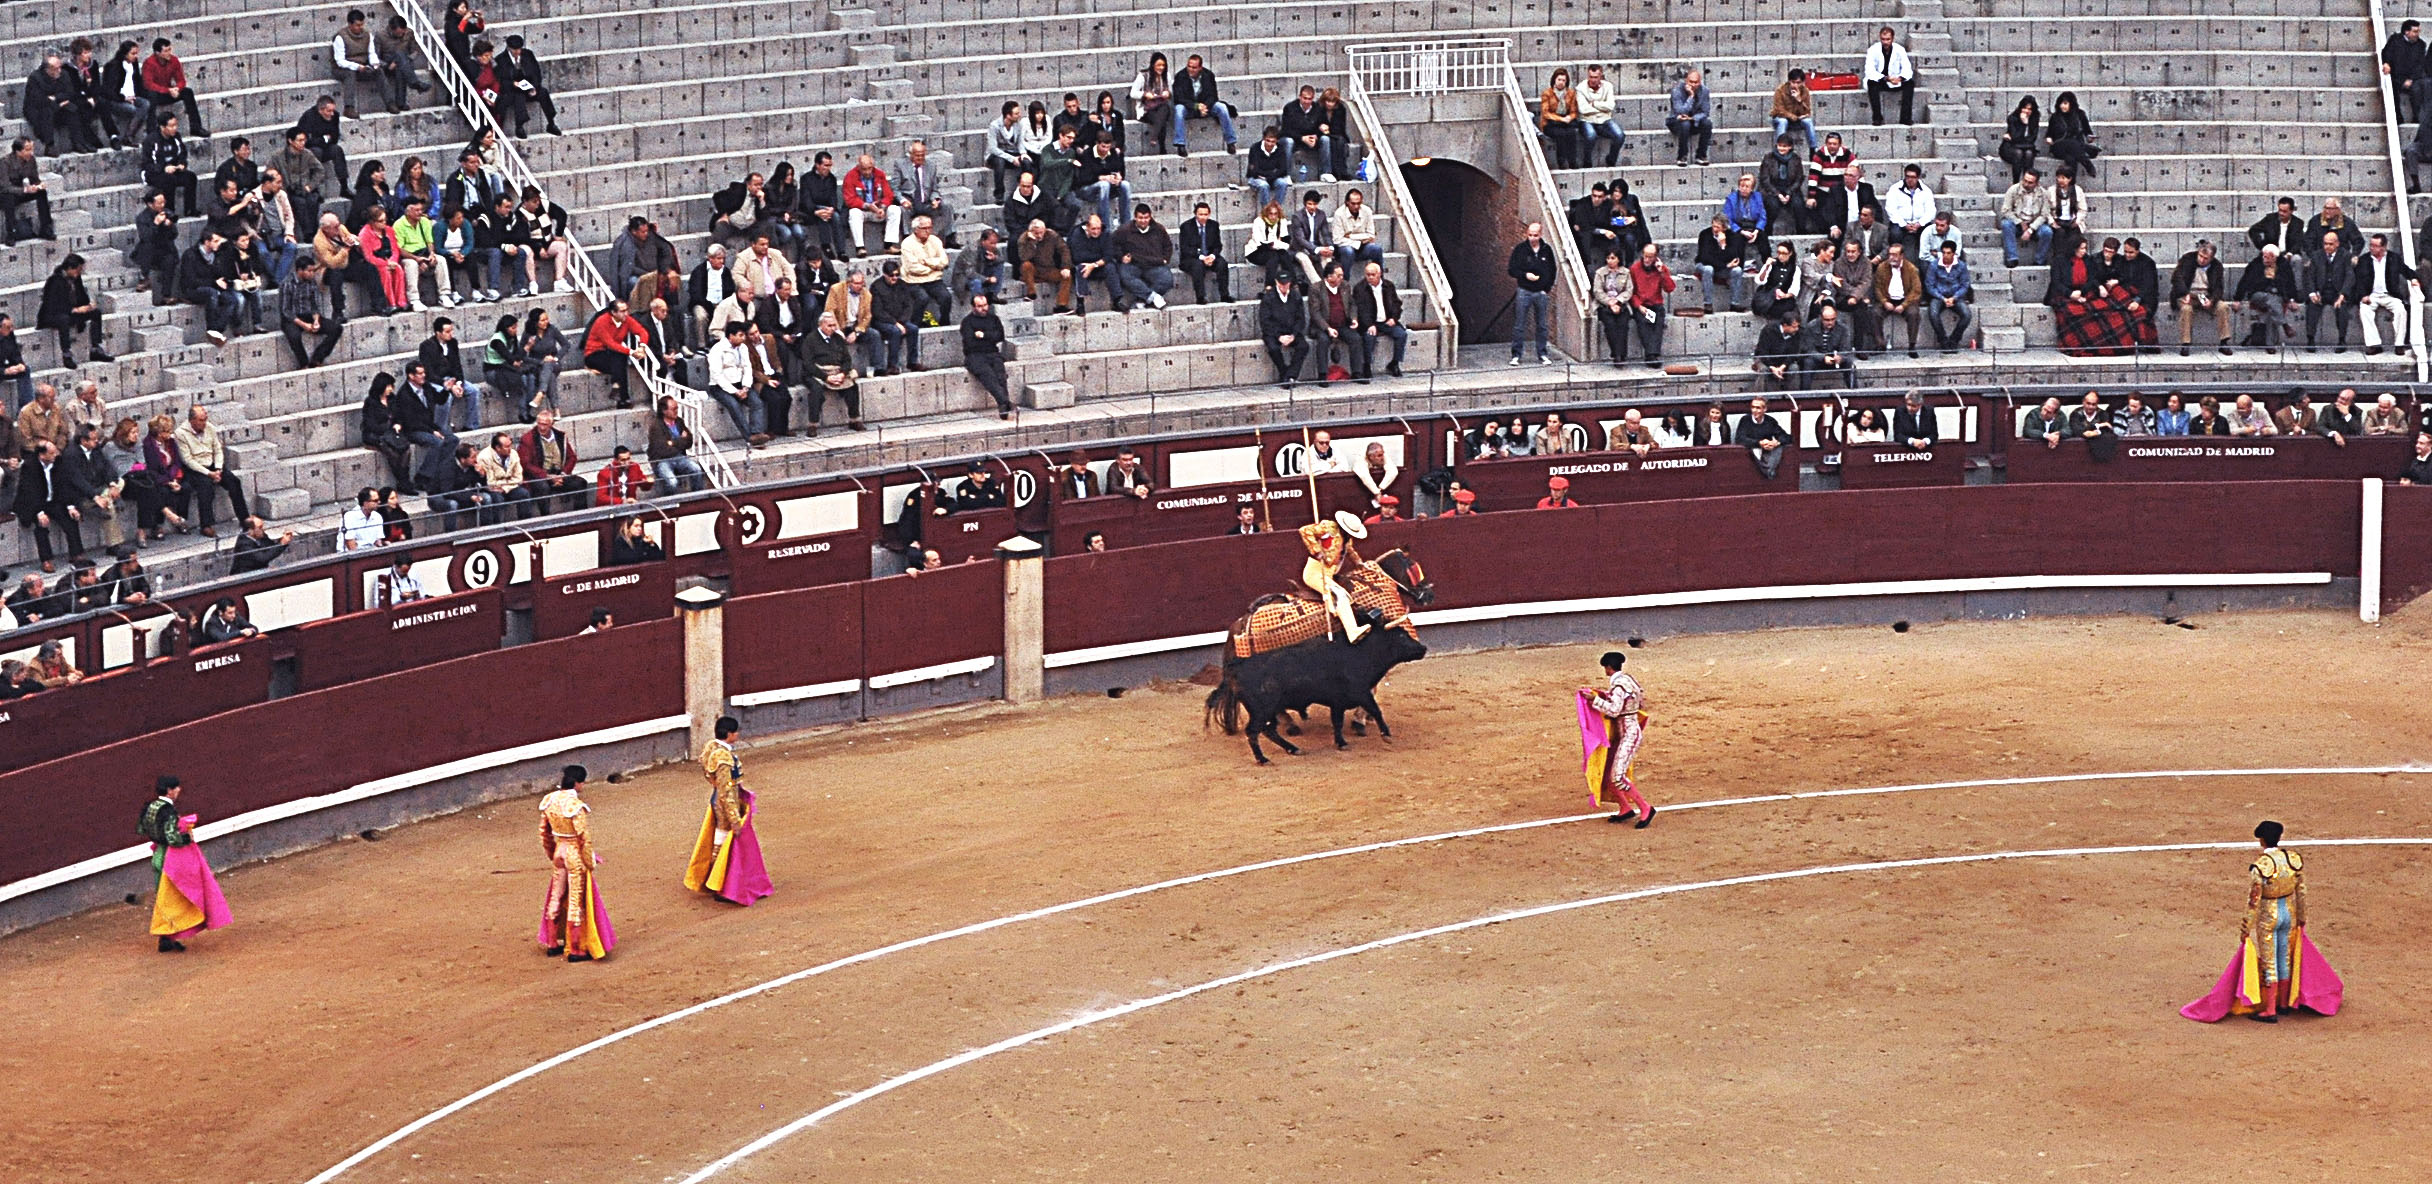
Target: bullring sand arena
{"points": [[1975, 1019]]}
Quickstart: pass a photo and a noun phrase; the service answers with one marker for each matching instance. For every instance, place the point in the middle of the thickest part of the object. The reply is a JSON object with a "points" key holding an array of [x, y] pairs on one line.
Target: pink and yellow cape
{"points": [[1596, 741], [188, 898], [599, 936], [732, 872], [2312, 984]]}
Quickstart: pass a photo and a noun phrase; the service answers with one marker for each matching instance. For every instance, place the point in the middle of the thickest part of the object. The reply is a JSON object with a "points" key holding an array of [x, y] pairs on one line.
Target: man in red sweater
{"points": [[1651, 287], [608, 348], [163, 81], [623, 480]]}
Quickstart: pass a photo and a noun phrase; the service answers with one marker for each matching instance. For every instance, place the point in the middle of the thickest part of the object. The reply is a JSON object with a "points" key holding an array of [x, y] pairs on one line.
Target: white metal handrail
{"points": [[2398, 192], [1432, 67], [1403, 207], [692, 404]]}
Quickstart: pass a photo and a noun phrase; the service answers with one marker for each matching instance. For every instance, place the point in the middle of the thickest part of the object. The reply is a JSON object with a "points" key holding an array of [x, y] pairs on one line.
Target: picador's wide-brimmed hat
{"points": [[1351, 524]]}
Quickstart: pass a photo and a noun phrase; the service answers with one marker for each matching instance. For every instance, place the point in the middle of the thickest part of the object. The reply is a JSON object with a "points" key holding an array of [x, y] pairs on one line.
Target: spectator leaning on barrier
{"points": [[2386, 418], [2418, 470], [622, 481], [2342, 420], [1127, 475], [362, 528], [1764, 439]]}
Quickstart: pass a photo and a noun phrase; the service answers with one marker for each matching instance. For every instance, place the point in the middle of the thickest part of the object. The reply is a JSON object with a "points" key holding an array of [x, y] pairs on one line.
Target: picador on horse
{"points": [[1326, 643]]}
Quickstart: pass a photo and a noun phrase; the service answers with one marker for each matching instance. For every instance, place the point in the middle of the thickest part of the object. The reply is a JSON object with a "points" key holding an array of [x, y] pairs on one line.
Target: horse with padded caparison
{"points": [[1284, 654]]}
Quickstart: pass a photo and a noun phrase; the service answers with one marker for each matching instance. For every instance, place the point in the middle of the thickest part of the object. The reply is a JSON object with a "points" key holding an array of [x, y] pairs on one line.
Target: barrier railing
{"points": [[1431, 67], [655, 383], [1403, 207], [2398, 193]]}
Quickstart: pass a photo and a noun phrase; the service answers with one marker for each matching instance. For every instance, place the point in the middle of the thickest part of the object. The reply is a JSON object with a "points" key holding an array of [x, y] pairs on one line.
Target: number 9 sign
{"points": [[480, 567]]}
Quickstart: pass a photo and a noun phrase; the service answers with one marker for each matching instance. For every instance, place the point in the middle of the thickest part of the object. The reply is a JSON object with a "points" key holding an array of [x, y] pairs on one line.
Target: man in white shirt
{"points": [[1888, 70], [363, 528], [1910, 207], [1323, 459], [1355, 233], [732, 385], [353, 62], [397, 586], [1596, 119]]}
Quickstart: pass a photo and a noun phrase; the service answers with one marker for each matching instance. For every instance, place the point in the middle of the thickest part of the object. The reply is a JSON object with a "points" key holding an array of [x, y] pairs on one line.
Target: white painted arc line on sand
{"points": [[622, 1034], [1088, 1019]]}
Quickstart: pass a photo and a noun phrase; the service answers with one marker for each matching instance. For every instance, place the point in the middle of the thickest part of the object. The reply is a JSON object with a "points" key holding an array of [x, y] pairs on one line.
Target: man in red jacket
{"points": [[548, 459], [867, 195], [623, 480], [608, 348], [162, 78], [1651, 288]]}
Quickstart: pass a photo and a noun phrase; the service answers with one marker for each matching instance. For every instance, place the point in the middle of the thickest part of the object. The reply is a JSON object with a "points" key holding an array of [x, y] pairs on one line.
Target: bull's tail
{"points": [[1224, 706]]}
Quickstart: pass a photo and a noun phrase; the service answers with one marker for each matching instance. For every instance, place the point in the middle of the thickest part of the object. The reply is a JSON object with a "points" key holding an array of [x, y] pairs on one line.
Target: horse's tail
{"points": [[1224, 707]]}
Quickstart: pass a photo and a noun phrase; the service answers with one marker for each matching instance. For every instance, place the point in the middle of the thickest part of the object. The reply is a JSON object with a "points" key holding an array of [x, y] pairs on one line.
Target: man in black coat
{"points": [[2384, 283], [48, 490], [201, 280], [57, 110], [442, 359], [322, 133], [2403, 59], [1531, 268], [1202, 253], [1283, 324], [1376, 309], [2325, 277], [983, 337], [67, 307], [1764, 439], [21, 185], [1913, 425], [521, 86], [1780, 363]]}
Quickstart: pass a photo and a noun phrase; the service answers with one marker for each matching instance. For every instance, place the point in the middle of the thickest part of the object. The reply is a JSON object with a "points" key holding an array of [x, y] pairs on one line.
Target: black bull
{"points": [[1329, 672]]}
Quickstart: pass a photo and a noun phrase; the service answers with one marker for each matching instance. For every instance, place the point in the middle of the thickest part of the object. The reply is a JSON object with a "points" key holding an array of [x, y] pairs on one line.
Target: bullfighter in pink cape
{"points": [[573, 918], [187, 899], [2277, 969], [726, 856], [1612, 723]]}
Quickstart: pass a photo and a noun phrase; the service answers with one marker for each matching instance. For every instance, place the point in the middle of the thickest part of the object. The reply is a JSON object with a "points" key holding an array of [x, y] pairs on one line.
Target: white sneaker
{"points": [[529, 290], [415, 305], [1325, 178], [490, 294], [1156, 300], [560, 286], [447, 299], [1515, 359]]}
